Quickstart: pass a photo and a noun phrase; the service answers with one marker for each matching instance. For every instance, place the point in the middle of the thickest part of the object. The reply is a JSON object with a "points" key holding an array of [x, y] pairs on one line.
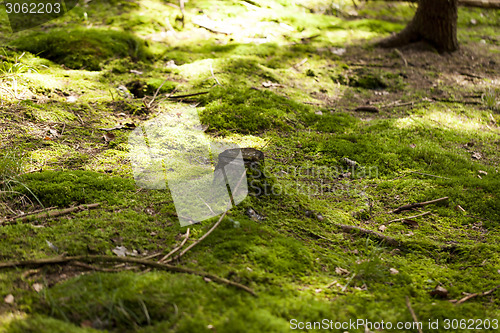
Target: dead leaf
{"points": [[382, 228], [393, 271], [108, 136], [477, 156], [86, 323], [341, 271], [413, 145], [120, 251], [37, 287], [136, 72], [319, 113], [482, 172], [207, 279], [9, 299], [318, 290]]}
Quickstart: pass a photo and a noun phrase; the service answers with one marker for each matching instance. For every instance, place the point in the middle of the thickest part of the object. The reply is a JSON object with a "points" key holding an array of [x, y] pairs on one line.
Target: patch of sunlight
{"points": [[452, 120], [43, 156], [197, 68], [246, 141], [446, 119], [8, 317], [341, 37], [43, 80]]}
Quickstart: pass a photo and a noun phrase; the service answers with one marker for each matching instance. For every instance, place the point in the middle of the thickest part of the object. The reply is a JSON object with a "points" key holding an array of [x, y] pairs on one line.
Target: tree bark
{"points": [[434, 22]]}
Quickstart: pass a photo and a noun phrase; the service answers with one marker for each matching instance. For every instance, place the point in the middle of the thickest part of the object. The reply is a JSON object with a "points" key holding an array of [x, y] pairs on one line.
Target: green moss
{"points": [[64, 188], [83, 48]]}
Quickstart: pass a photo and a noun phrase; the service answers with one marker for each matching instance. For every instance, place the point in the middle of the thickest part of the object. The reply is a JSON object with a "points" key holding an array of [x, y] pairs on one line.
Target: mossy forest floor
{"points": [[283, 78]]}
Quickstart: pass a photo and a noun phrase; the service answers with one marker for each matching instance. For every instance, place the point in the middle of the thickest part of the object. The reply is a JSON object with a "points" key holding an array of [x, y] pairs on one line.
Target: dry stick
{"points": [[50, 213], [94, 268], [126, 260], [148, 105], [402, 56], [418, 204], [188, 95], [486, 293], [396, 105], [428, 174], [213, 227], [413, 315], [409, 217], [177, 248], [387, 239], [213, 75]]}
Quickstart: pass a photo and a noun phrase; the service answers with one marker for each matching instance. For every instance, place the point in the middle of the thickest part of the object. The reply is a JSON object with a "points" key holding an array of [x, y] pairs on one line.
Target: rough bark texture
{"points": [[434, 22]]}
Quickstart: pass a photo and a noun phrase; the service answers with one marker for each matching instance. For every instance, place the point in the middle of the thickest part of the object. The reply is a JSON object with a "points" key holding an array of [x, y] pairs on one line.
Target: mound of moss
{"points": [[64, 188], [83, 48]]}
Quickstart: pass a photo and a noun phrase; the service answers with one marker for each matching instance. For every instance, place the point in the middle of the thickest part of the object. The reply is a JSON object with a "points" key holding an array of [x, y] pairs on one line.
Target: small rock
{"points": [[37, 287], [440, 292], [9, 299]]}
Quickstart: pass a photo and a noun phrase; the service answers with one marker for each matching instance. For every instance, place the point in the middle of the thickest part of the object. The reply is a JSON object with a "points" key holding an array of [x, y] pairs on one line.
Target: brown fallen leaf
{"points": [[439, 292], [108, 136]]}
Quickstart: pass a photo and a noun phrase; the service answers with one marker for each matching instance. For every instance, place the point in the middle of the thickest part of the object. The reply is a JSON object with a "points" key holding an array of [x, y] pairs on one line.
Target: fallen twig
{"points": [[468, 297], [188, 95], [48, 213], [418, 204], [126, 260], [213, 75], [413, 315], [387, 239], [428, 174], [402, 56], [367, 109], [177, 248], [395, 105], [409, 217]]}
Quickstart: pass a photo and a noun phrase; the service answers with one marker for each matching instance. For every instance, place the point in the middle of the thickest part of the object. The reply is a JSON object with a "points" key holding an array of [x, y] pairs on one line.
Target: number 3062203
{"points": [[32, 8]]}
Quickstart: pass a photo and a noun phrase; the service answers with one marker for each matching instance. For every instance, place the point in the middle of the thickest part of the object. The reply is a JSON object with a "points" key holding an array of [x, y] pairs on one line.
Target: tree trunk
{"points": [[434, 22]]}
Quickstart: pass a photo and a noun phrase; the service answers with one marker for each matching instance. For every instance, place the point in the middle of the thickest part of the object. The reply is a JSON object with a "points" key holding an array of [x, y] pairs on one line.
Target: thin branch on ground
{"points": [[468, 297], [350, 228], [125, 260], [49, 213], [418, 204], [409, 217], [188, 95], [428, 174], [164, 259], [402, 56], [413, 315], [213, 75]]}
